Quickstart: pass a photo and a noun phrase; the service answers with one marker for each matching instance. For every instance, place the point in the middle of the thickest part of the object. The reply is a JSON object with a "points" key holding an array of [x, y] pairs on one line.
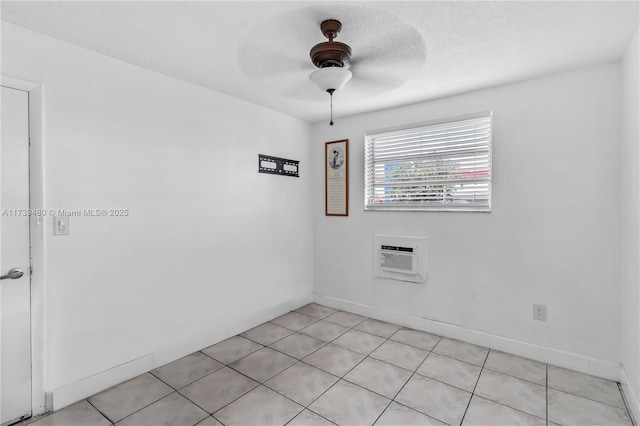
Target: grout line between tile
{"points": [[96, 408], [350, 327], [546, 392], [510, 375], [218, 420], [231, 402], [624, 400], [182, 387], [405, 383], [417, 411], [311, 411], [270, 343], [383, 411], [591, 399], [244, 356], [393, 365], [208, 415], [142, 408], [445, 383], [166, 396], [508, 406], [474, 388], [418, 347], [295, 331]]}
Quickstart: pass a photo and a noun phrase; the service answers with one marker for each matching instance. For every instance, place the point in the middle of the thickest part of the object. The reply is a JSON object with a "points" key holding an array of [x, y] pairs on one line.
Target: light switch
{"points": [[61, 225]]}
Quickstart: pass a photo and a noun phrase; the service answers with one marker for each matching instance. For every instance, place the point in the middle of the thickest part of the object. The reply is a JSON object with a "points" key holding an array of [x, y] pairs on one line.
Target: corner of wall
{"points": [[629, 395], [84, 388], [630, 221]]}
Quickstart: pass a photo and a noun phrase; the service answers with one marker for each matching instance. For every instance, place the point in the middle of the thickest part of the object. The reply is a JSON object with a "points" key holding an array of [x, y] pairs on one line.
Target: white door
{"points": [[15, 327]]}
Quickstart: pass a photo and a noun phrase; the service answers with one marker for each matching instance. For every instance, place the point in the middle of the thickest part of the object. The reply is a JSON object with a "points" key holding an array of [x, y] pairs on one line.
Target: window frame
{"points": [[369, 164]]}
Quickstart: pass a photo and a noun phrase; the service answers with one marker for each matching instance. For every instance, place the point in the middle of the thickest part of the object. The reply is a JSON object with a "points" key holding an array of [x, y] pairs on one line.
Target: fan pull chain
{"points": [[331, 97]]}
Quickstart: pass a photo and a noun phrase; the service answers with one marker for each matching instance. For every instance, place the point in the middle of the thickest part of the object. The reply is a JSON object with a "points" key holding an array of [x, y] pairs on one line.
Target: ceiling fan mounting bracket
{"points": [[331, 28]]}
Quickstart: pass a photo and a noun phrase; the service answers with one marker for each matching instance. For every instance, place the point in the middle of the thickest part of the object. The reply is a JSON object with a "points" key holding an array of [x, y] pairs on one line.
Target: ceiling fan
{"points": [[332, 60], [377, 52]]}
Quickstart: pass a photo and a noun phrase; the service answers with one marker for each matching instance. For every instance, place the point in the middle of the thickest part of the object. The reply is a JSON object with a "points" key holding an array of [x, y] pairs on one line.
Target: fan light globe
{"points": [[329, 78]]}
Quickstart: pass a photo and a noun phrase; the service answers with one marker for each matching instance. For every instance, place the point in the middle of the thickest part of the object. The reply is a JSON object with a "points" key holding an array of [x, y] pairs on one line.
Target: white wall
{"points": [[208, 242], [552, 237], [630, 225]]}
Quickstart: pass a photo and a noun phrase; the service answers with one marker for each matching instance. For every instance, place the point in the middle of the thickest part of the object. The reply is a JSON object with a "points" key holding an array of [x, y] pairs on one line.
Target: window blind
{"points": [[443, 166]]}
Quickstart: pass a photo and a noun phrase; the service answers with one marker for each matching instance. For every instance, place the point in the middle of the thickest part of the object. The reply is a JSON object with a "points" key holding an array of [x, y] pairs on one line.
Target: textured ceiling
{"points": [[403, 52]]}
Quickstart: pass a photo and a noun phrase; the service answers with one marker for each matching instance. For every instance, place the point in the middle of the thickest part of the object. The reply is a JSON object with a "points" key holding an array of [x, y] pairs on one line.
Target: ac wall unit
{"points": [[399, 259]]}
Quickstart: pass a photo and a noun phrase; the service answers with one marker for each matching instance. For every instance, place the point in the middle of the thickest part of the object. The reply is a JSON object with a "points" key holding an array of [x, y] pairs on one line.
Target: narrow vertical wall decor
{"points": [[336, 178]]}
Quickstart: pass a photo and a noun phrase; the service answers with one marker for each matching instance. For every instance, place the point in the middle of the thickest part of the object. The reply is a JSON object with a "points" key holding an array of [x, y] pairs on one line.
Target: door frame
{"points": [[37, 233]]}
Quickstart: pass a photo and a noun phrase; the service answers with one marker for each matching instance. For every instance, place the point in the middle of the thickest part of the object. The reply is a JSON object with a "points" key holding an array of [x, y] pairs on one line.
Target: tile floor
{"points": [[320, 366]]}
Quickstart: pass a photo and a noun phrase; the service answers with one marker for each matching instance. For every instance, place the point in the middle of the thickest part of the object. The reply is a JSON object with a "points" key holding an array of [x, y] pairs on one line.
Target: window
{"points": [[444, 165]]}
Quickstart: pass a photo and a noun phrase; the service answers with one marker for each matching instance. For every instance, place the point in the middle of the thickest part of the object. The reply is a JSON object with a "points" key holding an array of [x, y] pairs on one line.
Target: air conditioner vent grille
{"points": [[399, 258]]}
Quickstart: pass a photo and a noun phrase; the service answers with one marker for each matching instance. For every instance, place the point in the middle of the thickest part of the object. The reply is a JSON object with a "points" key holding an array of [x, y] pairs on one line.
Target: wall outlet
{"points": [[539, 312]]}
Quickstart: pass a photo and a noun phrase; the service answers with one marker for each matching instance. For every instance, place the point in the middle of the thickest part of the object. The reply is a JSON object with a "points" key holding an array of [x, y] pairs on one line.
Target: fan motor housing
{"points": [[330, 53]]}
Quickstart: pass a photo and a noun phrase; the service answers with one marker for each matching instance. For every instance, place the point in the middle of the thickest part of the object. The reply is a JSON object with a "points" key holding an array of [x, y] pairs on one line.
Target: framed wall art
{"points": [[336, 178]]}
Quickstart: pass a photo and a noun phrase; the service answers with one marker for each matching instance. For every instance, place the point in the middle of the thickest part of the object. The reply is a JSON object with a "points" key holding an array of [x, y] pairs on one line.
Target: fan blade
{"points": [[268, 60], [304, 90], [286, 49], [373, 82], [391, 60], [289, 77]]}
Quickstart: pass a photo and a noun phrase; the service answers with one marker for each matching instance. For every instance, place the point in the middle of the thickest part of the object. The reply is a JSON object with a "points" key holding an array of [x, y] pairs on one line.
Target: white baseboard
{"points": [[83, 388], [630, 397], [605, 369]]}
